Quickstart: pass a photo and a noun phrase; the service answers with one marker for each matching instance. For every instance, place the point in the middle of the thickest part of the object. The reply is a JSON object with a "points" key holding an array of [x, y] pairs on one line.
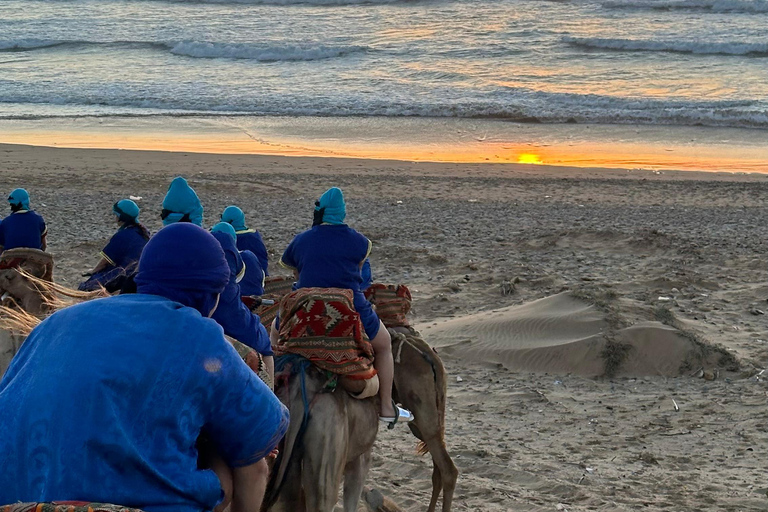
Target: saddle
{"points": [[14, 263], [66, 506], [392, 302], [322, 326], [275, 288], [33, 261]]}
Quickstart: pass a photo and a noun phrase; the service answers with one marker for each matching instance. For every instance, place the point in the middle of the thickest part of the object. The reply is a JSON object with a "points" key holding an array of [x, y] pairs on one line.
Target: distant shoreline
{"points": [[448, 140]]}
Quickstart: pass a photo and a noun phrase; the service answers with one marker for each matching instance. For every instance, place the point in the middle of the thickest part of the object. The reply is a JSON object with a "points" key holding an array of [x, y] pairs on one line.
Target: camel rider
{"points": [[331, 255], [247, 239], [120, 256], [110, 396], [253, 281], [181, 204], [24, 227], [245, 326]]}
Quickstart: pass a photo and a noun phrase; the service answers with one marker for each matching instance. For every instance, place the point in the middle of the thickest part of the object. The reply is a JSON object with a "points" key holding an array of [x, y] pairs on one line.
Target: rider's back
{"points": [[328, 256], [22, 229], [108, 400]]}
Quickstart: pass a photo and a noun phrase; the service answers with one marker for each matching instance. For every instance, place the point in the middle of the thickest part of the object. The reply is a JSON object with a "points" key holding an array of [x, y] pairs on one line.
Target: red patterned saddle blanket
{"points": [[321, 325], [66, 506], [392, 302]]}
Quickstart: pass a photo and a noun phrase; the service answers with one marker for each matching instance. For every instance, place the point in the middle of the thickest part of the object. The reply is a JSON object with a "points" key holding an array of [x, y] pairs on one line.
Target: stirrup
{"points": [[402, 415]]}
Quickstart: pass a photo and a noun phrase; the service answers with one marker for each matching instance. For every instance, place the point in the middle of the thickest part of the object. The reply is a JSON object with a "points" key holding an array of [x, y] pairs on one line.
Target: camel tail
{"points": [[421, 448]]}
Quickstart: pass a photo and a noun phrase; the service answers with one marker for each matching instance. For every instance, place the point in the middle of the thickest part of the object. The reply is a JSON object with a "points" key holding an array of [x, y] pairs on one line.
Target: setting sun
{"points": [[529, 158]]}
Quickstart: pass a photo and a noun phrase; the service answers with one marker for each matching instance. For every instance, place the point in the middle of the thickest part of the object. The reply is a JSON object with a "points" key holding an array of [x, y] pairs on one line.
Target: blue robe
{"points": [[109, 398]]}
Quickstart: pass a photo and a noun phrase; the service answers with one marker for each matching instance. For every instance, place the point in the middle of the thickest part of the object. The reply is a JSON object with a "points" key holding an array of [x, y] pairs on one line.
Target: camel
{"points": [[330, 441], [420, 385]]}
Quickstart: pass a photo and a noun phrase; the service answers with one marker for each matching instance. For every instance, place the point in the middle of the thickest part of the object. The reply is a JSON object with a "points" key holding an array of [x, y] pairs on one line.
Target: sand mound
{"points": [[562, 334]]}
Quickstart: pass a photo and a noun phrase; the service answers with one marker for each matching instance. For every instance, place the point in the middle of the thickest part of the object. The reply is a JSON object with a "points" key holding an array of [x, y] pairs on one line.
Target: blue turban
{"points": [[127, 211], [181, 204], [331, 208], [223, 227], [186, 264], [235, 216], [19, 200]]}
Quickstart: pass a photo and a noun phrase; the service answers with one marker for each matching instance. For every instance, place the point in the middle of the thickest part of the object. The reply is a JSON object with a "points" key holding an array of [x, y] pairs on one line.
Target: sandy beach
{"points": [[604, 330]]}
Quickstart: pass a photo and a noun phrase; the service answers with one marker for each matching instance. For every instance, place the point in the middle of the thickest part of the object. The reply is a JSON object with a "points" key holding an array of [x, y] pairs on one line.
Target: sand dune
{"points": [[562, 334]]}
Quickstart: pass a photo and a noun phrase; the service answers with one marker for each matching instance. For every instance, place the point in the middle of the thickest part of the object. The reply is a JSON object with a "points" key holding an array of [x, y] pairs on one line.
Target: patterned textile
{"points": [[275, 288], [254, 361], [65, 506], [278, 285], [392, 303], [322, 325], [36, 262]]}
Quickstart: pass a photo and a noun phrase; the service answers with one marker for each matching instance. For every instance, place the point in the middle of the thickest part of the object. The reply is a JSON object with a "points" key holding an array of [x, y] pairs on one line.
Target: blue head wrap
{"points": [[19, 200], [232, 255], [127, 211], [223, 227], [186, 264], [331, 208], [181, 204], [235, 216]]}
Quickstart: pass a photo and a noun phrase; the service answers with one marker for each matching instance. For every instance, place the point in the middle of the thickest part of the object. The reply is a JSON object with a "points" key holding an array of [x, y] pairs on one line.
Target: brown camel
{"points": [[420, 385], [333, 442]]}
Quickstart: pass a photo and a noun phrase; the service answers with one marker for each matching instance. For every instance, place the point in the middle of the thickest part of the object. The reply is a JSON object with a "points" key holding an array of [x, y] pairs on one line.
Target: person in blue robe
{"points": [[106, 400], [247, 239], [181, 204], [253, 281], [331, 255], [24, 227], [120, 256], [232, 314]]}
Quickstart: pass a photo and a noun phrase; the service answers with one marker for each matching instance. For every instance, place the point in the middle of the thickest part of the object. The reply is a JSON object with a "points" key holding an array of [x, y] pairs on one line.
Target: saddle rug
{"points": [[321, 325], [66, 506], [392, 302]]}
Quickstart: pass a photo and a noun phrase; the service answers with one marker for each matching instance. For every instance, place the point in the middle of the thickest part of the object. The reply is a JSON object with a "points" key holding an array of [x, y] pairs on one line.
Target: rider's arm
{"points": [[43, 235], [245, 419]]}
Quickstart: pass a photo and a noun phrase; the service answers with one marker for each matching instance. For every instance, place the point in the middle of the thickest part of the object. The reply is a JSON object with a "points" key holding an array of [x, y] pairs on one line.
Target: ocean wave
{"points": [[696, 47], [516, 105], [201, 49], [263, 53], [721, 6], [329, 3], [28, 44]]}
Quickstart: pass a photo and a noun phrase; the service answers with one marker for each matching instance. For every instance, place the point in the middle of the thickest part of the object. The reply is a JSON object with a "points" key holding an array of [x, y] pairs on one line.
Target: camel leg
{"points": [[324, 458], [444, 474], [354, 479]]}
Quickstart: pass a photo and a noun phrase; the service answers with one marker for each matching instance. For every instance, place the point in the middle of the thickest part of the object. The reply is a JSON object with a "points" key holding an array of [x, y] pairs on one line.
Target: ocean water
{"points": [[678, 62], [686, 63]]}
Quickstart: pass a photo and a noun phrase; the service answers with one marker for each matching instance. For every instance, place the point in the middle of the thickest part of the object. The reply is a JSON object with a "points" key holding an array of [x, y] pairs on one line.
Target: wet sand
{"points": [[566, 260]]}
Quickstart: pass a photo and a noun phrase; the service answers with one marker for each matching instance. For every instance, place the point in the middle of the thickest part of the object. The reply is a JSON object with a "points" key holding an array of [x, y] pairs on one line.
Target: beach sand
{"points": [[533, 283]]}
